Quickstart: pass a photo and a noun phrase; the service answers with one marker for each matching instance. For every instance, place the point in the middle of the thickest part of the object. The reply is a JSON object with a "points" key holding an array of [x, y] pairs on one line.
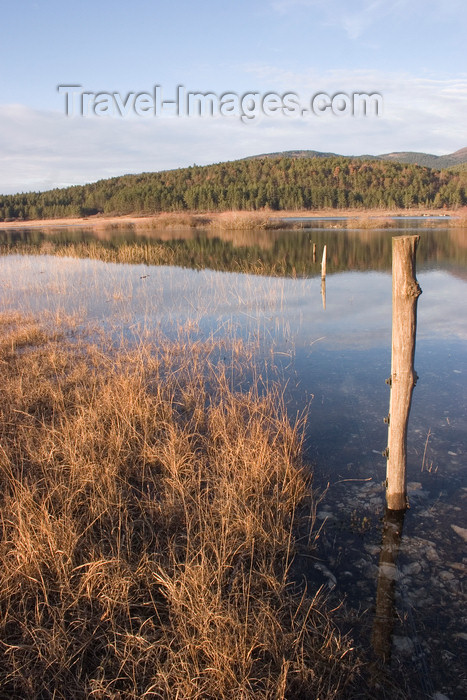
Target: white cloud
{"points": [[431, 111], [43, 149]]}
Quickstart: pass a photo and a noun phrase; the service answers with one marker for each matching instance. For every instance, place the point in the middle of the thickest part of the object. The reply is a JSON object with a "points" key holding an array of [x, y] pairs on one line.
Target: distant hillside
{"points": [[276, 183], [426, 160], [298, 154]]}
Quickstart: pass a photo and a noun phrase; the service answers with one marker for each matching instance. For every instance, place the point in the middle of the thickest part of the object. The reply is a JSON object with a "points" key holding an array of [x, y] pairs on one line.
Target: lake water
{"points": [[332, 355]]}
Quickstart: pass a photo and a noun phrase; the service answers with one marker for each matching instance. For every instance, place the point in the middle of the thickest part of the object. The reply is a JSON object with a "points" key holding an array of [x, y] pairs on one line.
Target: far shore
{"points": [[223, 219]]}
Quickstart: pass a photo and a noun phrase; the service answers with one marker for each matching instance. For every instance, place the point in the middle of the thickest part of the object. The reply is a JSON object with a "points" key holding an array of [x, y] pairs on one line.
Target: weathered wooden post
{"points": [[405, 292], [323, 263], [314, 252]]}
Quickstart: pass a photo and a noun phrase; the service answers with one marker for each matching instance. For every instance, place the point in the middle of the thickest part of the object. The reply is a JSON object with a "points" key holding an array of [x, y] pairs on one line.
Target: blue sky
{"points": [[413, 52]]}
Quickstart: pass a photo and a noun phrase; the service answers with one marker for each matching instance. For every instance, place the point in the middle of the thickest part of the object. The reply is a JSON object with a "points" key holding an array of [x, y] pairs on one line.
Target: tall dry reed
{"points": [[147, 523]]}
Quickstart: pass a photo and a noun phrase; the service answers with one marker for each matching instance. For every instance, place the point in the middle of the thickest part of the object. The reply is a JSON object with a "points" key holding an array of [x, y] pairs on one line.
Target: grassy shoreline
{"points": [[230, 219], [148, 513]]}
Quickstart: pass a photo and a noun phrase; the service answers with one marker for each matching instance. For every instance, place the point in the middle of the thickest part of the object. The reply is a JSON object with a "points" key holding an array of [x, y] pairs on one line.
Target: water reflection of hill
{"points": [[281, 252], [459, 272]]}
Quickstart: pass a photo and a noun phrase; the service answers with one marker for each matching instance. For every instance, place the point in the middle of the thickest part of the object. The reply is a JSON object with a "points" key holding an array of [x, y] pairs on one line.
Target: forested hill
{"points": [[428, 160], [275, 183]]}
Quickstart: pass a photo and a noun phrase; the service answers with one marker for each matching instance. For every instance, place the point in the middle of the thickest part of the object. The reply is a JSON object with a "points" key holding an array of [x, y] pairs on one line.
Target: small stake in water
{"points": [[405, 293], [323, 263]]}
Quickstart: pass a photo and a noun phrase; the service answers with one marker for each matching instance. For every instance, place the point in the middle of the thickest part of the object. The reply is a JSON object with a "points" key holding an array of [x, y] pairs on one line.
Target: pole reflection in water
{"points": [[323, 277], [385, 595], [323, 291]]}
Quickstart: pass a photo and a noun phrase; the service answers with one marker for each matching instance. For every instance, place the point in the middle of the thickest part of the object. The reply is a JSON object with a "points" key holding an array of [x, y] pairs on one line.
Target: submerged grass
{"points": [[148, 513]]}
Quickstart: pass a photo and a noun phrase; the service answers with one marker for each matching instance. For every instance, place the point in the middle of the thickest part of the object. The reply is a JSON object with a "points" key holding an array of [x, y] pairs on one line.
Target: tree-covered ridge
{"points": [[277, 184]]}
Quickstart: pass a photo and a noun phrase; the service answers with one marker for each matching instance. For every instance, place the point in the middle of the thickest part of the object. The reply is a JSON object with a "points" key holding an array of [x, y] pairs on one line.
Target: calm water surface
{"points": [[333, 357]]}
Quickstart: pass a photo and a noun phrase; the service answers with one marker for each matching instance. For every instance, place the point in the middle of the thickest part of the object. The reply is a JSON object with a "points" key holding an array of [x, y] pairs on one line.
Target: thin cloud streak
{"points": [[358, 17]]}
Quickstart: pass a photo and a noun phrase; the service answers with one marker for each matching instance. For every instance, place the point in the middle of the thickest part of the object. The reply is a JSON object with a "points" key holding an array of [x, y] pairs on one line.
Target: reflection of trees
{"points": [[385, 594], [285, 253]]}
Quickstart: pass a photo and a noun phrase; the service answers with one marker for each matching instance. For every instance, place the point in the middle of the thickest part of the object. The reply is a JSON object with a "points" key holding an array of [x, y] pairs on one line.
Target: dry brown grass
{"points": [[370, 222], [131, 253], [241, 220], [459, 221], [147, 526], [175, 220]]}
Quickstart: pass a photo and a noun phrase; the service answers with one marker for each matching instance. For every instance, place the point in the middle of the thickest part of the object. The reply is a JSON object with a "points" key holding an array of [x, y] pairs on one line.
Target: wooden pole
{"points": [[405, 292], [323, 263], [314, 252]]}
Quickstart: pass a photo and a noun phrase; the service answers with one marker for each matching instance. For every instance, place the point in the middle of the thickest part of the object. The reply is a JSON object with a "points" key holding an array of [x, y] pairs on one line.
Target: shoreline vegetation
{"points": [[149, 518], [239, 220]]}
